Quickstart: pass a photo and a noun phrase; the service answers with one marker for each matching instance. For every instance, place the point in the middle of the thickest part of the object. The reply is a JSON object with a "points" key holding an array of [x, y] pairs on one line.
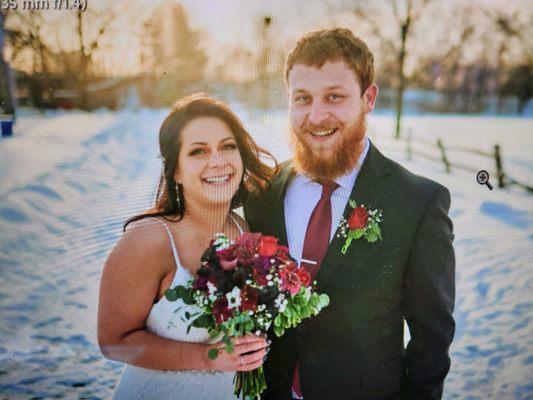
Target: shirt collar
{"points": [[346, 181]]}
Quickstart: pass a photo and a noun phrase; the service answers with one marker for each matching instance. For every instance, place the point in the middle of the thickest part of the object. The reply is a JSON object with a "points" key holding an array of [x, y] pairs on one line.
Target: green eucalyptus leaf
{"points": [[324, 300], [249, 326], [229, 344], [213, 333], [279, 331], [212, 354], [352, 203], [171, 295], [203, 321]]}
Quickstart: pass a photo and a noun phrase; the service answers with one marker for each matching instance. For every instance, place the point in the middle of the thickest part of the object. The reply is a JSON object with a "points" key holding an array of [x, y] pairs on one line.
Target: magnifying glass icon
{"points": [[483, 179]]}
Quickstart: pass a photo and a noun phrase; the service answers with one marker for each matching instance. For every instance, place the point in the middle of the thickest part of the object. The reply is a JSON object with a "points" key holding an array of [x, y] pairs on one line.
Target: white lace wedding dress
{"points": [[166, 319]]}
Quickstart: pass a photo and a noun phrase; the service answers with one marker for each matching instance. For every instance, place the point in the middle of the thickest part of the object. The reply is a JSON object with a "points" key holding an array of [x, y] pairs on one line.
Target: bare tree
{"points": [[180, 59], [513, 30], [6, 88], [27, 41], [406, 13], [100, 23]]}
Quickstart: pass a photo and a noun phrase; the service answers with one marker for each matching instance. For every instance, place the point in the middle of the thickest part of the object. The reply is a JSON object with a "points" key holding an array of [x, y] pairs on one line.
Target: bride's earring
{"points": [[178, 201]]}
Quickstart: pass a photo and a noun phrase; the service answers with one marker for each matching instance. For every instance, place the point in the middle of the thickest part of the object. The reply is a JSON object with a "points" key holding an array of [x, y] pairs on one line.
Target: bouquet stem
{"points": [[249, 385]]}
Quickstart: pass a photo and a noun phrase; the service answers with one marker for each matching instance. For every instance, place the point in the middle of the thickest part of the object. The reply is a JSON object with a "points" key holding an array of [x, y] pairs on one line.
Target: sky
{"points": [[229, 23]]}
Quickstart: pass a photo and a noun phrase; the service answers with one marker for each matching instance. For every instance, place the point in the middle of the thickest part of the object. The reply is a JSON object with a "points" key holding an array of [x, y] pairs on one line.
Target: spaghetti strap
{"points": [[241, 231], [171, 238]]}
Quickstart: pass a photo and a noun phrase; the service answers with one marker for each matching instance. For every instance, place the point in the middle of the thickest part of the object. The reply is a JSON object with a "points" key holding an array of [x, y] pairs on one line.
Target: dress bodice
{"points": [[168, 318]]}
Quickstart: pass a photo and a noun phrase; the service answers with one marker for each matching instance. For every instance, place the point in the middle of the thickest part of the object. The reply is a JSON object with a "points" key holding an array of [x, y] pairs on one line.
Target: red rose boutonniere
{"points": [[362, 223]]}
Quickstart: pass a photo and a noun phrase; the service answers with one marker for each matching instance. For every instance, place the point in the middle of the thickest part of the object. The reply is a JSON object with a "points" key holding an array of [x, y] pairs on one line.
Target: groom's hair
{"points": [[338, 44]]}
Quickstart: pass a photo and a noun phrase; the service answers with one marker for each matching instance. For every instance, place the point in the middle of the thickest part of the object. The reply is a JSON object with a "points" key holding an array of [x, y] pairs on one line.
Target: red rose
{"points": [[304, 276], [249, 298], [358, 218], [268, 246]]}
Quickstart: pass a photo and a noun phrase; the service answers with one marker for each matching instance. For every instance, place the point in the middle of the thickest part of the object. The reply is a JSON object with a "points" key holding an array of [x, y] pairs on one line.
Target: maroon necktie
{"points": [[315, 246]]}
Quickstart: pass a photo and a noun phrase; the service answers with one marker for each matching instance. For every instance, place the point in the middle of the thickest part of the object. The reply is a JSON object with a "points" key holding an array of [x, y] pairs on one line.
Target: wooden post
{"points": [[499, 167], [443, 153]]}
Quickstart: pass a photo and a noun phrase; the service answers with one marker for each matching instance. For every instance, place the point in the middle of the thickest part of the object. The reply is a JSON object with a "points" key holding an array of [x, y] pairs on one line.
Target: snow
{"points": [[68, 180]]}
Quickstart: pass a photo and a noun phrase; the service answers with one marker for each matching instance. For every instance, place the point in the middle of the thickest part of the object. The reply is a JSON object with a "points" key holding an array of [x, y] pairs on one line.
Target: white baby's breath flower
{"points": [[211, 289], [281, 303], [307, 293]]}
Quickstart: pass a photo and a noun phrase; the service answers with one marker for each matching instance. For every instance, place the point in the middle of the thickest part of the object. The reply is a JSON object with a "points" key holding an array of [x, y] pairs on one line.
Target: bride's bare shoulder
{"points": [[147, 233]]}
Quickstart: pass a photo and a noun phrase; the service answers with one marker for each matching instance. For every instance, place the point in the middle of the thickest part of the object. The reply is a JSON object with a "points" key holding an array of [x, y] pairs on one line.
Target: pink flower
{"points": [[249, 241], [283, 253], [290, 281], [228, 259], [305, 276]]}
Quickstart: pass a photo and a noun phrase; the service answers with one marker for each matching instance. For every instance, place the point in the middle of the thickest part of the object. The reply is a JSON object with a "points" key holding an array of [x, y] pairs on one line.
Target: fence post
{"points": [[499, 167], [443, 153], [409, 145]]}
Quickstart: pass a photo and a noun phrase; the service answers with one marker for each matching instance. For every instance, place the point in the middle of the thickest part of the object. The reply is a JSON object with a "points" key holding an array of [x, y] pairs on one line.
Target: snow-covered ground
{"points": [[68, 180]]}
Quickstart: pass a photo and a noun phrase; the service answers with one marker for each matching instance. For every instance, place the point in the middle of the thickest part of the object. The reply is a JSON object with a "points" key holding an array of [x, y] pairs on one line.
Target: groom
{"points": [[354, 348]]}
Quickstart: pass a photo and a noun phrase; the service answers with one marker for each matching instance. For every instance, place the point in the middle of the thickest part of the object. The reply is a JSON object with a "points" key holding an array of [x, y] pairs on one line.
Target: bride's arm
{"points": [[130, 282]]}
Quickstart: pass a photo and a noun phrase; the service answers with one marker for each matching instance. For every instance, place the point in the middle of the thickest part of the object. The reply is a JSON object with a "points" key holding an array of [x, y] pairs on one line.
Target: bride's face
{"points": [[209, 167]]}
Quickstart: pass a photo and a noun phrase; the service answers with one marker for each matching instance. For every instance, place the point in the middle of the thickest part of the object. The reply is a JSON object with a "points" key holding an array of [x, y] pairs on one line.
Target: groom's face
{"points": [[327, 114]]}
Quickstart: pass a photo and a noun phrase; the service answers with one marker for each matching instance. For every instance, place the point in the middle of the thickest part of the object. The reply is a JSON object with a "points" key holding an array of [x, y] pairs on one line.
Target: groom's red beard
{"points": [[333, 163]]}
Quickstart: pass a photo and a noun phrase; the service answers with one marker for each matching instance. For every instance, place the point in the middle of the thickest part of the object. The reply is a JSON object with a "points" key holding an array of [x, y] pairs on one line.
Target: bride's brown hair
{"points": [[256, 174]]}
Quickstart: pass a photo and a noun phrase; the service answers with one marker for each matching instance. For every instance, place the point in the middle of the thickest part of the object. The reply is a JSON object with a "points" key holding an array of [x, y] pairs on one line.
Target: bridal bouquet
{"points": [[244, 287]]}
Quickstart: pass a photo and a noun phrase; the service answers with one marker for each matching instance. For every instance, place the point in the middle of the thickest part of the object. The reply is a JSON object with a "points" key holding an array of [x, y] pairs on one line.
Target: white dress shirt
{"points": [[301, 198]]}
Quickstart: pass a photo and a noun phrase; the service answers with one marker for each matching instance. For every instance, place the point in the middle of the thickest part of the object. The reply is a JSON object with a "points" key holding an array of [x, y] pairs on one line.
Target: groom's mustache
{"points": [[326, 126]]}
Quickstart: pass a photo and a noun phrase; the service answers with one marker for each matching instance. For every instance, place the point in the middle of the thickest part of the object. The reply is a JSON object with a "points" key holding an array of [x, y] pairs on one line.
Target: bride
{"points": [[210, 164]]}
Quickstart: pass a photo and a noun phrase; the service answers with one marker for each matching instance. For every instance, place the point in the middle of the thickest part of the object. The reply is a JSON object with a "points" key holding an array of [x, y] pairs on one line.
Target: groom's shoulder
{"points": [[413, 185]]}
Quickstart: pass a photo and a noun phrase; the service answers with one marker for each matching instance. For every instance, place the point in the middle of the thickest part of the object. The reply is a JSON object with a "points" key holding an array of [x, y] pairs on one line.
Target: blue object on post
{"points": [[7, 125]]}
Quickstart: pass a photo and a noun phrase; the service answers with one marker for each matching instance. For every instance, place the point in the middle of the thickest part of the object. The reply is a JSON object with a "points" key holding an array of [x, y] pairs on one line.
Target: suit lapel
{"points": [[369, 189]]}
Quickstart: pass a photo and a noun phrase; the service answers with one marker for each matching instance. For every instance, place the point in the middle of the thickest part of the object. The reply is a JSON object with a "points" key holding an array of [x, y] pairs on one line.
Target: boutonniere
{"points": [[362, 223]]}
